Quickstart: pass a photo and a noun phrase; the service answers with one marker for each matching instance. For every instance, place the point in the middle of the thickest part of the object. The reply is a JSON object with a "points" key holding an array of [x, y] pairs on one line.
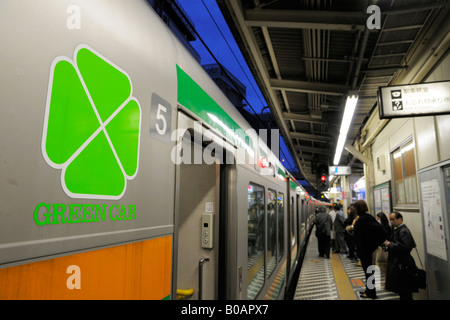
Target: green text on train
{"points": [[60, 213]]}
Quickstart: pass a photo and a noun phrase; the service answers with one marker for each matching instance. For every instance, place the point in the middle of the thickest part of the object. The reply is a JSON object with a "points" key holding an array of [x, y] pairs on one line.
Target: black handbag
{"points": [[420, 275]]}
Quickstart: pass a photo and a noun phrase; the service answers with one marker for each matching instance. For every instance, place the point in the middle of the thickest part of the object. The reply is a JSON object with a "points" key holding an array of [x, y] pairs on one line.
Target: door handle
{"points": [[200, 277]]}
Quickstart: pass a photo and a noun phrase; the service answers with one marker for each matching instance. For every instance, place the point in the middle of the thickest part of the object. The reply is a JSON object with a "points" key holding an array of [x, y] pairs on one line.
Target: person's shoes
{"points": [[364, 295]]}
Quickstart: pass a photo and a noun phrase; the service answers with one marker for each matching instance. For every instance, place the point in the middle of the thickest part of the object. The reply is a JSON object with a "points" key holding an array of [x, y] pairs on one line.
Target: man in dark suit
{"points": [[400, 265]]}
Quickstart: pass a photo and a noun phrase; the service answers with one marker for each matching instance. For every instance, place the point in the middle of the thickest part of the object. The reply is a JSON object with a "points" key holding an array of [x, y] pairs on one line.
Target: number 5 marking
{"points": [[161, 117]]}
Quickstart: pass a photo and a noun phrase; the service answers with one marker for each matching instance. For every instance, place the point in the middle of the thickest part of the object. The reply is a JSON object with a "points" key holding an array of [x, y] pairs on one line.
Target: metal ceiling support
{"points": [[301, 117], [430, 50], [250, 42], [358, 155], [330, 60], [400, 28], [309, 87], [394, 43], [360, 57], [273, 59], [386, 68], [317, 61], [311, 149], [276, 68], [309, 137], [370, 173], [412, 9], [308, 157], [303, 19]]}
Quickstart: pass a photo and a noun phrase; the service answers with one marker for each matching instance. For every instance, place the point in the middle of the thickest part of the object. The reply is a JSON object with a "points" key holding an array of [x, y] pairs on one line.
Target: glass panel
{"points": [[405, 178], [292, 245], [292, 221], [409, 166], [447, 187], [256, 232], [408, 160], [272, 231], [280, 225], [398, 177]]}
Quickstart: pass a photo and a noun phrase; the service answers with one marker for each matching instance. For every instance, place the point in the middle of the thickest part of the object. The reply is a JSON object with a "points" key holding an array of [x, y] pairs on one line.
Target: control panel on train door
{"points": [[207, 230]]}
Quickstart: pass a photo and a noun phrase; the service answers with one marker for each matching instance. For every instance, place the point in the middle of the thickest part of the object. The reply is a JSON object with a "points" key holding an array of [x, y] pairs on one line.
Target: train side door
{"points": [[197, 221]]}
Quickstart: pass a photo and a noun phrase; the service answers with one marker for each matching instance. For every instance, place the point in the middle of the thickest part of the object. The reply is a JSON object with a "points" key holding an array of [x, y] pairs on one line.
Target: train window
{"points": [[304, 213], [292, 217], [405, 180], [256, 241], [280, 243], [298, 216], [271, 231]]}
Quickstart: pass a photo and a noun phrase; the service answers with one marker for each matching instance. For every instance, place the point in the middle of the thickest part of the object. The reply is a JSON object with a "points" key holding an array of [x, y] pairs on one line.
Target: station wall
{"points": [[430, 136]]}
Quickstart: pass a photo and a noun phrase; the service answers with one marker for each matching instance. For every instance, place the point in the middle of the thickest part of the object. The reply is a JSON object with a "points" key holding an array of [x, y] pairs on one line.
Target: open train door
{"points": [[199, 225]]}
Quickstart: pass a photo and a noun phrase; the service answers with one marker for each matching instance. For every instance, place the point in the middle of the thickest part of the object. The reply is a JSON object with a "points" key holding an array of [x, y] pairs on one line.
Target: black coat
{"points": [[368, 234], [401, 245], [401, 265], [387, 231]]}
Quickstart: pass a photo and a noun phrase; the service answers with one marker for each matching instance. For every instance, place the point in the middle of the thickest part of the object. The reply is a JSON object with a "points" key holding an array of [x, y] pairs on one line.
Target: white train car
{"points": [[119, 171]]}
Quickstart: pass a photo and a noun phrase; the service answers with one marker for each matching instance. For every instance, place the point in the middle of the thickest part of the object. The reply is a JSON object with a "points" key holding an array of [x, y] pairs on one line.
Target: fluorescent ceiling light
{"points": [[346, 121]]}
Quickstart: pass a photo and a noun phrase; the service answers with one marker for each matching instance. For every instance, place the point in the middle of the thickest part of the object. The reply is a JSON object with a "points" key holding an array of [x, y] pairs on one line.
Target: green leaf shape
{"points": [[71, 118], [109, 88], [82, 101], [95, 170], [123, 131]]}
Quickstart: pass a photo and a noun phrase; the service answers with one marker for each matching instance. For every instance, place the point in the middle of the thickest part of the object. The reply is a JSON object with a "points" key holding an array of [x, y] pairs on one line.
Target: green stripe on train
{"points": [[194, 98]]}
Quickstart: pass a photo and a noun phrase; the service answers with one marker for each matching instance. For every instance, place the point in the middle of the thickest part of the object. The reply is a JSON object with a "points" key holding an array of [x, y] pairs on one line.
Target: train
{"points": [[119, 166]]}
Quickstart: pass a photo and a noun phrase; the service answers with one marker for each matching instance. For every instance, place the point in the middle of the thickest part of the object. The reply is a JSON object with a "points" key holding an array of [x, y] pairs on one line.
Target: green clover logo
{"points": [[92, 125]]}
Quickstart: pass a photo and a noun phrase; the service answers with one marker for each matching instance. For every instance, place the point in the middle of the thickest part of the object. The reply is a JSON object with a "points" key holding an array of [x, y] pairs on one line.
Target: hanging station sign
{"points": [[423, 99], [339, 171]]}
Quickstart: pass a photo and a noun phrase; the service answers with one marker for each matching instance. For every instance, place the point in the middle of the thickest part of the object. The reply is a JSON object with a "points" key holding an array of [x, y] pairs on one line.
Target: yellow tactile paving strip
{"points": [[337, 278], [343, 284]]}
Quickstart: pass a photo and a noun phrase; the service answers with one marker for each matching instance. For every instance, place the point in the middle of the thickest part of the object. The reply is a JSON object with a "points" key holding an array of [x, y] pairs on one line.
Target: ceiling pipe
{"points": [[363, 48], [362, 51], [360, 58]]}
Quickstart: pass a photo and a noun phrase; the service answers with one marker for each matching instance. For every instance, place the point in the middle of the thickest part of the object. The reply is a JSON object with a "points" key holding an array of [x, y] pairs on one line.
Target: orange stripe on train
{"points": [[140, 270]]}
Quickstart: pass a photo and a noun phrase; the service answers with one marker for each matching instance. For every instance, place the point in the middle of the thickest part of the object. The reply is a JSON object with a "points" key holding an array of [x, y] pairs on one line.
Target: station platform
{"points": [[336, 278]]}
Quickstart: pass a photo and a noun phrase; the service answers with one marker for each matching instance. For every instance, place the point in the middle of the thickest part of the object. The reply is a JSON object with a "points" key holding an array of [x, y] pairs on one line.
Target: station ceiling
{"points": [[307, 56]]}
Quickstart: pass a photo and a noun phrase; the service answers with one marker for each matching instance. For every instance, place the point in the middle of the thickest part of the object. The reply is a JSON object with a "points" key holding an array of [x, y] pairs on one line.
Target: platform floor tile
{"points": [[317, 280]]}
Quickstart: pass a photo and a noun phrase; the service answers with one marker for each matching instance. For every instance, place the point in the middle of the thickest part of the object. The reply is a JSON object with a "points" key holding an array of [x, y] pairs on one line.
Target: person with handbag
{"points": [[349, 226], [401, 267], [381, 255], [368, 235]]}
